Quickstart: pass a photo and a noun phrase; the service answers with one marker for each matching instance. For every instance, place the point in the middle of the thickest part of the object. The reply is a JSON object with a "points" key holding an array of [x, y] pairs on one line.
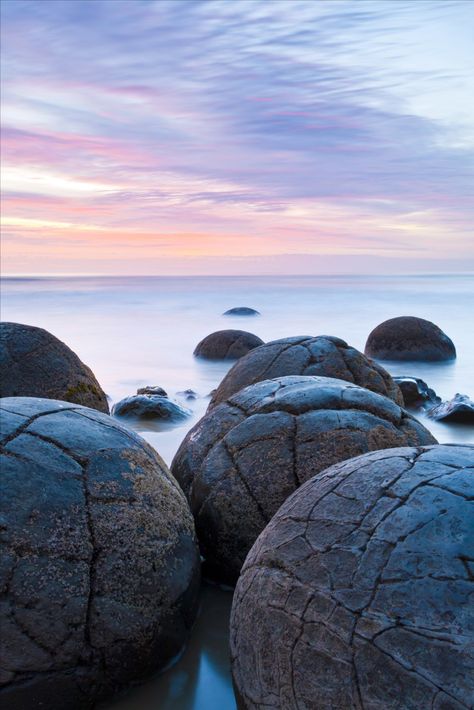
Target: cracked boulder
{"points": [[34, 363], [241, 461], [323, 355], [409, 338], [227, 345], [358, 594], [99, 571]]}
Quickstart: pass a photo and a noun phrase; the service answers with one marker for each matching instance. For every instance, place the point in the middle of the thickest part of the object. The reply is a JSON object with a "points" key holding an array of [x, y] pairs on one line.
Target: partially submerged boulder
{"points": [[34, 363], [409, 338], [150, 406], [99, 561], [241, 311], [458, 409], [416, 392], [323, 355], [227, 345], [358, 592], [241, 461], [152, 389]]}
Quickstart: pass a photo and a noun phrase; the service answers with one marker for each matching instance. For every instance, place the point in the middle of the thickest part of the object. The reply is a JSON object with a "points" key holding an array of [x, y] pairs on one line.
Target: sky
{"points": [[237, 136]]}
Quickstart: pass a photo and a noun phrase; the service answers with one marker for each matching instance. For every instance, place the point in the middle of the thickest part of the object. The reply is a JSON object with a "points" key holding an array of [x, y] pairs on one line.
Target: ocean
{"points": [[136, 331]]}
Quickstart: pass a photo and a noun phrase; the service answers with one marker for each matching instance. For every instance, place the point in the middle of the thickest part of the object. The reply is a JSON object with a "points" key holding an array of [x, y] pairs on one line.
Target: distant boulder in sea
{"points": [[409, 338], [241, 311], [227, 345], [152, 389], [150, 406], [34, 363], [458, 409], [98, 553], [324, 355]]}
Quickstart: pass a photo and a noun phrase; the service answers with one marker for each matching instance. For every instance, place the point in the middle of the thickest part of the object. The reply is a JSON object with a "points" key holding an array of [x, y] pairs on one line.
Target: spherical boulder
{"points": [[34, 363], [409, 338], [241, 311], [247, 455], [227, 345], [150, 406], [323, 355], [99, 562], [358, 594]]}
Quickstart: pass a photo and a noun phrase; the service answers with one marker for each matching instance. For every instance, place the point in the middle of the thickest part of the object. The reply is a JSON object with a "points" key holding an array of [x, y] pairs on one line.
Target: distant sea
{"points": [[135, 331]]}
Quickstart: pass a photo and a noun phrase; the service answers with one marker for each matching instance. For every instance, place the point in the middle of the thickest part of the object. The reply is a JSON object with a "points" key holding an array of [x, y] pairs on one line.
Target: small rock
{"points": [[416, 391], [152, 389], [188, 394], [241, 311], [458, 409], [150, 406]]}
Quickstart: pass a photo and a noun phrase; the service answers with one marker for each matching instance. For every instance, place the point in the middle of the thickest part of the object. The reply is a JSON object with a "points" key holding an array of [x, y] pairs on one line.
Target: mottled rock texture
{"points": [[99, 568], [34, 363], [241, 311], [247, 455], [325, 356], [458, 409], [416, 392], [150, 406], [409, 338], [358, 594], [227, 345], [152, 389]]}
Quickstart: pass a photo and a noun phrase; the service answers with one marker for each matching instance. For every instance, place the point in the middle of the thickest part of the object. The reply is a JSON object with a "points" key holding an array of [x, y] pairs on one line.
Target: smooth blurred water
{"points": [[135, 331]]}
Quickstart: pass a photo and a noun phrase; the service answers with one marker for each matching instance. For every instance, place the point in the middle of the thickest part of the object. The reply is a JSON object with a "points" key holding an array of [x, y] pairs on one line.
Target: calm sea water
{"points": [[135, 331]]}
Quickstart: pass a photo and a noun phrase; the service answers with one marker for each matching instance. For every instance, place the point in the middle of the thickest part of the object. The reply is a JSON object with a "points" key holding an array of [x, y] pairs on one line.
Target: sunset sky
{"points": [[237, 136]]}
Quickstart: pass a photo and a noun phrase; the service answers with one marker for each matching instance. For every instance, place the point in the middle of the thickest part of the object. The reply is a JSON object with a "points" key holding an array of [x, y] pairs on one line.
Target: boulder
{"points": [[150, 406], [458, 409], [357, 594], [99, 561], [188, 394], [323, 355], [241, 461], [241, 311], [34, 363], [416, 392], [409, 338], [152, 389], [227, 345]]}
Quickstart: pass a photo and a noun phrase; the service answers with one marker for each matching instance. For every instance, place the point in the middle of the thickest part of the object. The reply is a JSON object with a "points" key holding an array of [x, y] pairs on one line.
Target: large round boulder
{"points": [[227, 345], [323, 355], [247, 455], [409, 338], [34, 363], [358, 594], [99, 563]]}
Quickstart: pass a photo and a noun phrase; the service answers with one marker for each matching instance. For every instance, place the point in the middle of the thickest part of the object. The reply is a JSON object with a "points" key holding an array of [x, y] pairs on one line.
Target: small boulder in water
{"points": [[227, 345], [241, 311], [409, 338], [416, 391], [150, 406], [188, 394], [458, 409], [154, 389]]}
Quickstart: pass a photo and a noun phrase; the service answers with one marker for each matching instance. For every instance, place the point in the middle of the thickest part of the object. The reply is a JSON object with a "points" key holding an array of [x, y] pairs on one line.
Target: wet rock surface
{"points": [[325, 356], [357, 594], [241, 311], [409, 338], [153, 389], [241, 461], [227, 345], [99, 561], [458, 409], [416, 392], [34, 363], [150, 406]]}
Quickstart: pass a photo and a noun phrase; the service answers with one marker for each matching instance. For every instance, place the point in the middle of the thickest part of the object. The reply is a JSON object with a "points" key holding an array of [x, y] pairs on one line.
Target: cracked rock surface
{"points": [[34, 363], [227, 345], [99, 566], [409, 338], [324, 356], [358, 594], [241, 461]]}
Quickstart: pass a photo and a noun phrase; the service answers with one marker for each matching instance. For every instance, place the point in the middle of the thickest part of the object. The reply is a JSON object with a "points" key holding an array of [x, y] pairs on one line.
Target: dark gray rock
{"points": [[150, 406], [241, 461], [324, 356], [416, 392], [409, 338], [241, 311], [34, 363], [358, 592], [459, 409], [188, 394], [99, 563], [227, 345], [152, 389]]}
